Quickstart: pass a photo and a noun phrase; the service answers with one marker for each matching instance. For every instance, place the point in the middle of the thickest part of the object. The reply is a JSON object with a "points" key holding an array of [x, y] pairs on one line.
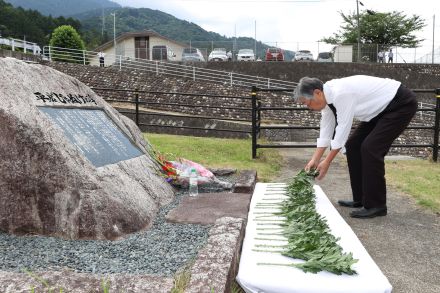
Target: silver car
{"points": [[325, 57], [246, 55], [192, 55], [218, 56]]}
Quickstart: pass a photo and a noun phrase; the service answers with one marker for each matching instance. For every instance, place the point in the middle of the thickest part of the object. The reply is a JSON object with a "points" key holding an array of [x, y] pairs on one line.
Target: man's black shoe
{"points": [[364, 213], [350, 203]]}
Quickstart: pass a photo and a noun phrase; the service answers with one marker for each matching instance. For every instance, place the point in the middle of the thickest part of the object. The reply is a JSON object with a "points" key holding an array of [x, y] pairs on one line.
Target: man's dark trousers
{"points": [[370, 142]]}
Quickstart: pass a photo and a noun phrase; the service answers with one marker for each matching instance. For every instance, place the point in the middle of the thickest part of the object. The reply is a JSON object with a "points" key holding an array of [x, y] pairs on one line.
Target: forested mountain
{"points": [[132, 19], [96, 26], [63, 7], [30, 24]]}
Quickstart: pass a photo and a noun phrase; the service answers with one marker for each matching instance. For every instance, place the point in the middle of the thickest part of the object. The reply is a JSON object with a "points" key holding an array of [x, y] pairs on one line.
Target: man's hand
{"points": [[322, 168], [311, 165]]}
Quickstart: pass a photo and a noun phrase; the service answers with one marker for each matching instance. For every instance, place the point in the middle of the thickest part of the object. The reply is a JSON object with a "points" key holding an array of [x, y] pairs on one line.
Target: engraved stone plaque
{"points": [[93, 132]]}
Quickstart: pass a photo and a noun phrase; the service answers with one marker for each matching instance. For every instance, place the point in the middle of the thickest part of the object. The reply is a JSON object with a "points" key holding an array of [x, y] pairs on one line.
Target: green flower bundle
{"points": [[307, 233]]}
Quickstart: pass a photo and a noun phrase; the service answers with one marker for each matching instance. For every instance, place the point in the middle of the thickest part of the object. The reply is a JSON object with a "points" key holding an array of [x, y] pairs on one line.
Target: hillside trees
{"points": [[63, 7], [388, 29], [19, 23]]}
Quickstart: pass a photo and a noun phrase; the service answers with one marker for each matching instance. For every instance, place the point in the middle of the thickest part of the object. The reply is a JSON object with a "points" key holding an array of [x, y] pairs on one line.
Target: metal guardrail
{"points": [[257, 127], [25, 45], [163, 68]]}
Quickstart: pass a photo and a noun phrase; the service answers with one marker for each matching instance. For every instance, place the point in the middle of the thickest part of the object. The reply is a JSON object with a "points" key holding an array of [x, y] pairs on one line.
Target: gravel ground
{"points": [[162, 250]]}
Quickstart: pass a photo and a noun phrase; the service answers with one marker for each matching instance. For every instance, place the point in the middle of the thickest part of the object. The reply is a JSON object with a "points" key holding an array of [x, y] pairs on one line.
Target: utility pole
{"points": [[234, 46], [103, 22], [359, 32], [114, 31], [433, 36], [255, 38]]}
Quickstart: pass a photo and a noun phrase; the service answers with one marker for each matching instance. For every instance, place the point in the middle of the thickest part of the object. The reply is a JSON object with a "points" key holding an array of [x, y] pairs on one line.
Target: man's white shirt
{"points": [[358, 97]]}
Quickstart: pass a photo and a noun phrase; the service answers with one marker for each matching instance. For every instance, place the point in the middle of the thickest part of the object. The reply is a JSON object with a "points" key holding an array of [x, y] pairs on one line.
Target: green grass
{"points": [[181, 279], [218, 153], [418, 178]]}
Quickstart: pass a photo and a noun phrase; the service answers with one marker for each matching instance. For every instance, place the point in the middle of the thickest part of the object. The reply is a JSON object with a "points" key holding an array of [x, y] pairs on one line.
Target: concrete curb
{"points": [[216, 264]]}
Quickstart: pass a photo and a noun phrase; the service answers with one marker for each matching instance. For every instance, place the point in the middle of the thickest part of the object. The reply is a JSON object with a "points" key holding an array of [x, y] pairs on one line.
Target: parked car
{"points": [[218, 56], [245, 55], [163, 53], [293, 56], [303, 55], [325, 57], [274, 54], [219, 49], [192, 55]]}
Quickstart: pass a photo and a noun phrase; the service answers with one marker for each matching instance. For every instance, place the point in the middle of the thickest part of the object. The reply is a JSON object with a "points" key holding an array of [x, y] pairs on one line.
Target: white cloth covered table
{"points": [[282, 279]]}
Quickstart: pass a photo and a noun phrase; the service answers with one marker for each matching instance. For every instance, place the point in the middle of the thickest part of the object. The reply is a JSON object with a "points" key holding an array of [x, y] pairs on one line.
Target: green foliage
{"points": [[308, 235], [105, 285], [63, 7], [132, 19], [18, 22], [42, 281], [66, 36], [390, 29], [218, 153], [418, 178], [182, 278], [235, 288]]}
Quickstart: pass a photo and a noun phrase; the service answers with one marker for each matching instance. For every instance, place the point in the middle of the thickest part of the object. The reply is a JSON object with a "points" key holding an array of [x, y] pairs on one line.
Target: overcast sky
{"points": [[288, 24]]}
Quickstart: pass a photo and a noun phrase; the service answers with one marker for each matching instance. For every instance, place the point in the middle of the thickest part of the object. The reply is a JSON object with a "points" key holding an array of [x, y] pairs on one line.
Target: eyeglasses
{"points": [[304, 101]]}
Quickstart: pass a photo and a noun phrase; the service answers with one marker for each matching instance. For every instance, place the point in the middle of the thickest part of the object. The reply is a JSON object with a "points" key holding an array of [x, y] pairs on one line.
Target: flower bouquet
{"points": [[178, 172]]}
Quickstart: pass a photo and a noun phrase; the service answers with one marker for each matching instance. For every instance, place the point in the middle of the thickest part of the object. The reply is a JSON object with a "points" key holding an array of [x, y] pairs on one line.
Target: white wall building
{"points": [[140, 45]]}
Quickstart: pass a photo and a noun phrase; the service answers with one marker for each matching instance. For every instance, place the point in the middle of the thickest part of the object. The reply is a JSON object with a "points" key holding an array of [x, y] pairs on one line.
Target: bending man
{"points": [[384, 108]]}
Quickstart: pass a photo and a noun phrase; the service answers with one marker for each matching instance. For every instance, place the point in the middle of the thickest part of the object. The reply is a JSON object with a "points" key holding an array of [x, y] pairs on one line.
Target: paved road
{"points": [[405, 244]]}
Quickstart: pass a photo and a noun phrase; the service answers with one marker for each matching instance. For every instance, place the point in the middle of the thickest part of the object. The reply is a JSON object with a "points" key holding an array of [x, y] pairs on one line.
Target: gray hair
{"points": [[306, 86]]}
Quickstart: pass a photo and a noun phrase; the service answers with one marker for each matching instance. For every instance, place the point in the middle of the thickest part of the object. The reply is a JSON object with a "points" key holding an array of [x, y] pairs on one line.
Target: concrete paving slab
{"points": [[206, 208]]}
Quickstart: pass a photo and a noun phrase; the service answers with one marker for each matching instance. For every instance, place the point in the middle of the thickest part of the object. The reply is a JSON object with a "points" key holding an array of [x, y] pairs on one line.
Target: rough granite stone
{"points": [[223, 171], [69, 281], [47, 185], [216, 264], [245, 182]]}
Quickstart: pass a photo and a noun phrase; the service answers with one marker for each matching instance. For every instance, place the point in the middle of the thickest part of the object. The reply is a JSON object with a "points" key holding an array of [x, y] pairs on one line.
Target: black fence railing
{"points": [[257, 108], [141, 107]]}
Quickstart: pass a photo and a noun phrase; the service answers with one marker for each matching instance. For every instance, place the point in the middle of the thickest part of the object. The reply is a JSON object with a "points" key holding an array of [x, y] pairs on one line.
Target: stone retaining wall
{"points": [[20, 55], [422, 76]]}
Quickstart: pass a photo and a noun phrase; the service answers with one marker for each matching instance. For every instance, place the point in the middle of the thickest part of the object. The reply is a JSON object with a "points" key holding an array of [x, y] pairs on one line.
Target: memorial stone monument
{"points": [[71, 166]]}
